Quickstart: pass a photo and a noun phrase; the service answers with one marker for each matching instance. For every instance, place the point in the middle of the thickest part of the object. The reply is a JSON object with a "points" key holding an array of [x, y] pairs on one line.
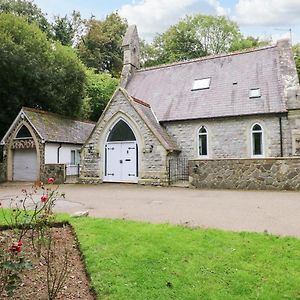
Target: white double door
{"points": [[121, 162]]}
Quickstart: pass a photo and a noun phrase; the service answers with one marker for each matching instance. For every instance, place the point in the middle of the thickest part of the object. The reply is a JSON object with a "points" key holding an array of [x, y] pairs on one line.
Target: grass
{"points": [[133, 260]]}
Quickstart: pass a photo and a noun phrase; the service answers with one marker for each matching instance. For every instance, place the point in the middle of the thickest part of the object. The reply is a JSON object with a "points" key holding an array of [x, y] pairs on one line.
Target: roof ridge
{"points": [[209, 57], [55, 114], [140, 102]]}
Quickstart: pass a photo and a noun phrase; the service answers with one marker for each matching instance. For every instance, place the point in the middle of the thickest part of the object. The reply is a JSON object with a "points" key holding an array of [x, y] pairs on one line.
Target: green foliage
{"points": [[216, 34], [193, 37], [36, 72], [68, 30], [99, 89], [100, 47], [248, 42], [296, 50], [21, 220], [27, 9]]}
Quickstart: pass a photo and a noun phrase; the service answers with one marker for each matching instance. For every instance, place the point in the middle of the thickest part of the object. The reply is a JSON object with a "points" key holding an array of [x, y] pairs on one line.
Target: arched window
{"points": [[203, 144], [121, 132], [257, 140], [23, 133]]}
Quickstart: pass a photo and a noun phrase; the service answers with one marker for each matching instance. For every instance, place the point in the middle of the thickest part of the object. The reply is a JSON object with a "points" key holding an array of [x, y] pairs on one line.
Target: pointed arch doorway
{"points": [[121, 154]]}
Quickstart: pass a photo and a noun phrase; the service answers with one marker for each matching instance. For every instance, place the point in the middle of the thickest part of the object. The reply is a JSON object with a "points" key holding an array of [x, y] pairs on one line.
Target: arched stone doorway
{"points": [[121, 154]]}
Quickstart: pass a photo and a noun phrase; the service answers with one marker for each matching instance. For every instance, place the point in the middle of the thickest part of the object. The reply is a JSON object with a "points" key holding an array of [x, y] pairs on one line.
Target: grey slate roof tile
{"points": [[57, 128], [168, 88]]}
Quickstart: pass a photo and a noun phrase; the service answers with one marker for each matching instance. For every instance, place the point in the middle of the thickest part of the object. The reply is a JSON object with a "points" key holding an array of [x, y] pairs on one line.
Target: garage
{"points": [[25, 165]]}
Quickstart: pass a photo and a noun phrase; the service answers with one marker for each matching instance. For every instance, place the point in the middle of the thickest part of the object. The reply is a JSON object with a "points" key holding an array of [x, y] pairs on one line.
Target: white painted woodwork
{"points": [[121, 162]]}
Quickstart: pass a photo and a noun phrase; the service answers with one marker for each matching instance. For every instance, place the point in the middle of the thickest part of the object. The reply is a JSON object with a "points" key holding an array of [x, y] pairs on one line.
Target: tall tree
{"points": [[217, 34], [296, 50], [192, 37], [35, 72], [29, 10], [101, 48], [99, 89], [69, 29]]}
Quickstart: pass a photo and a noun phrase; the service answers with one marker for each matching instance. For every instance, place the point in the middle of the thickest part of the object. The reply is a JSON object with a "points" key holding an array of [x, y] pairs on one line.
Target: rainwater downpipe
{"points": [[58, 150], [280, 132]]}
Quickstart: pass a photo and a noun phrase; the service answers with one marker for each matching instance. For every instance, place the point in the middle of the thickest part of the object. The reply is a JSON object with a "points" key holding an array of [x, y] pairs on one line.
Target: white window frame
{"points": [[198, 142], [201, 85], [253, 96], [71, 162], [262, 155]]}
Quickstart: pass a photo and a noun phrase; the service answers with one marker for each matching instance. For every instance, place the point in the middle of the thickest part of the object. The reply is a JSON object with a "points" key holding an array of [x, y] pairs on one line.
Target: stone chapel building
{"points": [[243, 105]]}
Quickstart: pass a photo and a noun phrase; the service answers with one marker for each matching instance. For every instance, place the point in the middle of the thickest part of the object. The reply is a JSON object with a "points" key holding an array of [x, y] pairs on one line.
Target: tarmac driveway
{"points": [[275, 212]]}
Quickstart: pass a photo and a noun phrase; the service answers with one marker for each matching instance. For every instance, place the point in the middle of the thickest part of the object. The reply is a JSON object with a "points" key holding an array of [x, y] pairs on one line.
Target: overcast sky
{"points": [[263, 18]]}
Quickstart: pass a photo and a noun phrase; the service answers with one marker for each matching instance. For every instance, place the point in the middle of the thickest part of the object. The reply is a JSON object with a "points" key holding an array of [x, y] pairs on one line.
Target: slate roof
{"points": [[147, 114], [168, 88], [57, 128]]}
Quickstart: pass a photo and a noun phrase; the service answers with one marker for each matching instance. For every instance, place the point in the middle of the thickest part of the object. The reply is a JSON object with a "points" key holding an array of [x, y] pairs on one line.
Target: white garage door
{"points": [[25, 165]]}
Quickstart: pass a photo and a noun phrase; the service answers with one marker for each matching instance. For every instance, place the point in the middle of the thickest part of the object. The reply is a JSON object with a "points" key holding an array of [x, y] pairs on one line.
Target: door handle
{"points": [[127, 159]]}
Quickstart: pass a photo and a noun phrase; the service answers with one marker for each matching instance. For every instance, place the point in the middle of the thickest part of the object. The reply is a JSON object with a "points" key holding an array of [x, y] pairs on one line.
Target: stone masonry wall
{"points": [[231, 137], [152, 160], [56, 171], [251, 174], [2, 172]]}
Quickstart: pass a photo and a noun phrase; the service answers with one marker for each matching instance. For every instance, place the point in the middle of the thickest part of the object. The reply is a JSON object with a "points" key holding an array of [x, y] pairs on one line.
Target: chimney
{"points": [[131, 50]]}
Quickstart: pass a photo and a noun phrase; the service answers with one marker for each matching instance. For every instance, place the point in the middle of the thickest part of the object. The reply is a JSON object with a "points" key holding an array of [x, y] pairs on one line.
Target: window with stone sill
{"points": [[203, 142], [257, 143]]}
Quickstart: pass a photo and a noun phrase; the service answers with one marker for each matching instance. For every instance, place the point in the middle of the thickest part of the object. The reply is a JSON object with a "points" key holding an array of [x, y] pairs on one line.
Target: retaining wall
{"points": [[251, 174]]}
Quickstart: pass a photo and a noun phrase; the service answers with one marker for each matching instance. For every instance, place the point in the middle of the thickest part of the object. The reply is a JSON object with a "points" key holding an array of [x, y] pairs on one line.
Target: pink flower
{"points": [[51, 180], [44, 198]]}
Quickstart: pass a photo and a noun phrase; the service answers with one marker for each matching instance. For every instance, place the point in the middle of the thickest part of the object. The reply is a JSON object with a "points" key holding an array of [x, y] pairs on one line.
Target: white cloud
{"points": [[267, 12], [220, 10], [155, 16]]}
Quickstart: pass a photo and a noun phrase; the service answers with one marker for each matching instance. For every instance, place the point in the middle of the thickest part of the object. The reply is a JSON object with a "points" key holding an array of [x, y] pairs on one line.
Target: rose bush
{"points": [[29, 213]]}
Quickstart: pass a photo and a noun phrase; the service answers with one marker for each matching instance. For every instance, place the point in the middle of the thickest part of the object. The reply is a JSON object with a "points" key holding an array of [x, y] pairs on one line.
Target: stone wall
{"points": [[152, 156], [2, 172], [251, 174], [56, 171], [231, 137]]}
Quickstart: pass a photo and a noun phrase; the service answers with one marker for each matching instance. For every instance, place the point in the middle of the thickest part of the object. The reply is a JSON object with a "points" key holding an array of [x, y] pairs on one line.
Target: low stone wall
{"points": [[56, 171], [250, 174], [2, 172]]}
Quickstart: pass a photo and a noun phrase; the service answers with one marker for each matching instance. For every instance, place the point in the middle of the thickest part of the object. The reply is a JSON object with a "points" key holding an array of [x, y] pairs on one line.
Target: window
{"points": [[255, 93], [75, 157], [121, 132], [257, 140], [23, 133], [201, 84], [203, 147]]}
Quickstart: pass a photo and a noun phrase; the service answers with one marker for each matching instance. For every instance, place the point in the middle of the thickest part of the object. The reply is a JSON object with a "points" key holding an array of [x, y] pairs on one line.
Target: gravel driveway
{"points": [[275, 212]]}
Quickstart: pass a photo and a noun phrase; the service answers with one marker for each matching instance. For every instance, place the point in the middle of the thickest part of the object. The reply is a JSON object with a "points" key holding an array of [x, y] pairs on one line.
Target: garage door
{"points": [[25, 165]]}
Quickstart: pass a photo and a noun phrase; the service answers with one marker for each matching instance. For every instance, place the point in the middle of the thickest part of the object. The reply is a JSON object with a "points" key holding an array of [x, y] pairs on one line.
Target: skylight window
{"points": [[255, 93], [201, 84]]}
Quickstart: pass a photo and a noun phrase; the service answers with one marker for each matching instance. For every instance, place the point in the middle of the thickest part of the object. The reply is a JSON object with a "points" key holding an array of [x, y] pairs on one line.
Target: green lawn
{"points": [[132, 260]]}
